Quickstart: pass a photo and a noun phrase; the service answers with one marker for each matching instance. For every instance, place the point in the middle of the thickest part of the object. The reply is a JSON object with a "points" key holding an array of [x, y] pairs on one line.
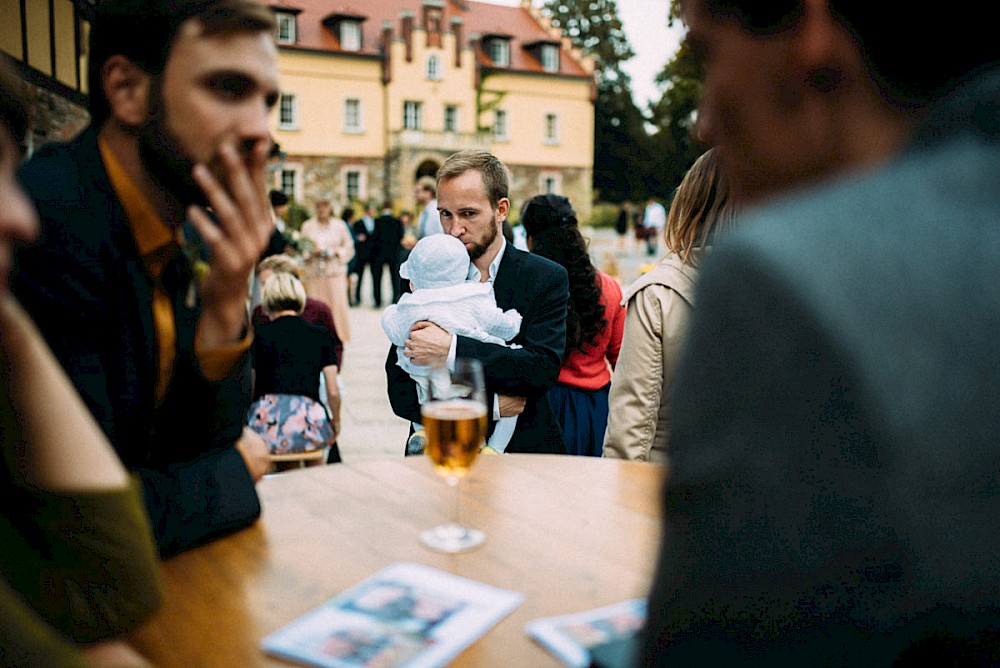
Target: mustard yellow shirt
{"points": [[157, 245]]}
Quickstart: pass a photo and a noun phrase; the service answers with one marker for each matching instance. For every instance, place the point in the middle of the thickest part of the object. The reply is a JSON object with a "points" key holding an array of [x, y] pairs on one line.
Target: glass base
{"points": [[452, 538]]}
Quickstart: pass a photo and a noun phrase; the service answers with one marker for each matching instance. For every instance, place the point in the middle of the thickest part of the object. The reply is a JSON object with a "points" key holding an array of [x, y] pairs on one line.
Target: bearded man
{"points": [[139, 290], [473, 189]]}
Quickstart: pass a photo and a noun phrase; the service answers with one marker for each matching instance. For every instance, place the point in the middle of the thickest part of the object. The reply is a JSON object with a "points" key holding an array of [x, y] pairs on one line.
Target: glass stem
{"points": [[453, 483]]}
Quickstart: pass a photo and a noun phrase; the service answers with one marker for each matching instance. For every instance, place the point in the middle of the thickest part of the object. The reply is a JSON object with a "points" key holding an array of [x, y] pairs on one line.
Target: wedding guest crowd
{"points": [[817, 380]]}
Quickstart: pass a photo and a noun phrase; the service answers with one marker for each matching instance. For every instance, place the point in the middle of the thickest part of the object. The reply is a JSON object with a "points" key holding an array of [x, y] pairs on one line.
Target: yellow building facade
{"points": [[376, 93]]}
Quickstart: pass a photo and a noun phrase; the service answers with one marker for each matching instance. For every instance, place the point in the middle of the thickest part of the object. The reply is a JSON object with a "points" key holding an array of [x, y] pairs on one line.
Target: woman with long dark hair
{"points": [[594, 322]]}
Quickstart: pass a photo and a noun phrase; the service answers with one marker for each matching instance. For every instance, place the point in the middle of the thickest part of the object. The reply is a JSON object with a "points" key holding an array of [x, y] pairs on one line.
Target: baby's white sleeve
{"points": [[395, 326]]}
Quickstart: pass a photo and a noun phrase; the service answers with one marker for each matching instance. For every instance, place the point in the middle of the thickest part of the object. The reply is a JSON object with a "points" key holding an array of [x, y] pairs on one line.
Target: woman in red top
{"points": [[594, 322]]}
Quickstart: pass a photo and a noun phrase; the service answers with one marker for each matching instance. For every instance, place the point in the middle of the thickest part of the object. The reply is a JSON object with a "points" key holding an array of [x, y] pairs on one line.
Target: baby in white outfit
{"points": [[438, 271]]}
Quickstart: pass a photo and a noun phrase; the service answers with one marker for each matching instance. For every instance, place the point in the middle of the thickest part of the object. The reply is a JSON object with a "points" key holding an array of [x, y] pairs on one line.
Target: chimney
{"points": [[456, 28], [406, 21], [386, 51]]}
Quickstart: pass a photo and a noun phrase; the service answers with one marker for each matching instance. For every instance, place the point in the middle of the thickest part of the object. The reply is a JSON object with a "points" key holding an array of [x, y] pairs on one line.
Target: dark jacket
{"points": [[833, 494], [84, 284], [539, 290]]}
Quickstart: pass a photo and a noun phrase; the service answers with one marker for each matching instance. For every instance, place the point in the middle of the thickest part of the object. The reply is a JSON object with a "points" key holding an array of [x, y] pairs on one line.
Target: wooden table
{"points": [[570, 533]]}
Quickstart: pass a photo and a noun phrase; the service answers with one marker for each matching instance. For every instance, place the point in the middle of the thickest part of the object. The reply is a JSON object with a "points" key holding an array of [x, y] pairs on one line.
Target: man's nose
{"points": [[255, 120]]}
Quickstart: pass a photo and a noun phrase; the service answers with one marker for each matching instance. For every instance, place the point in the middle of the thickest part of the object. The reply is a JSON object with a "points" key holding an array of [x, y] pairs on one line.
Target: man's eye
{"points": [[230, 86]]}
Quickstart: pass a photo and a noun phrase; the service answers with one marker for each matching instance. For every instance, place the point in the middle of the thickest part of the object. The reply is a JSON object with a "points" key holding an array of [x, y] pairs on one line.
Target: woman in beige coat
{"points": [[658, 309]]}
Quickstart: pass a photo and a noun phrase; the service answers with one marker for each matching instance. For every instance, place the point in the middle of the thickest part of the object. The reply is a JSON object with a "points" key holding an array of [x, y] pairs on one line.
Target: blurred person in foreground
{"points": [[832, 496], [78, 564], [594, 322], [473, 188], [140, 291], [659, 306]]}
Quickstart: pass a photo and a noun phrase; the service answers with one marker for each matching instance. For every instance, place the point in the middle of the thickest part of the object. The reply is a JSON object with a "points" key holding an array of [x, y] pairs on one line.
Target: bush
{"points": [[604, 214], [297, 214]]}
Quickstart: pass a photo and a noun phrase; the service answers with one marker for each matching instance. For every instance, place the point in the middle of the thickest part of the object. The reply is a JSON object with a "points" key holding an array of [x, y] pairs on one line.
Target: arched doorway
{"points": [[427, 168]]}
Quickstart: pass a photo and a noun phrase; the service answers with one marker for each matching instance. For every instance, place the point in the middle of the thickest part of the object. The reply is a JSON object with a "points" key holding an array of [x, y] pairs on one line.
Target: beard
{"points": [[477, 249], [163, 157]]}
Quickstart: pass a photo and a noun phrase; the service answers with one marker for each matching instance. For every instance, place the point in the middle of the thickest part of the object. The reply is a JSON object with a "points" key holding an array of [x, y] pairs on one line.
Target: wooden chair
{"points": [[293, 460]]}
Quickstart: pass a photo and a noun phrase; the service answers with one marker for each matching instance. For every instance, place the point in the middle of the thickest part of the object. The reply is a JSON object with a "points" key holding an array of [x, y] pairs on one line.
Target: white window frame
{"points": [[350, 35], [285, 30], [362, 174], [500, 51], [354, 121], [434, 67], [550, 181], [549, 56], [551, 128], [452, 111], [288, 111], [290, 173], [501, 125], [413, 115]]}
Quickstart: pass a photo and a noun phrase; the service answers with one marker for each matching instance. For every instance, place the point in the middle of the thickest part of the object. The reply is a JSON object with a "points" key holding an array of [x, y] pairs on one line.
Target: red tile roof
{"points": [[477, 17]]}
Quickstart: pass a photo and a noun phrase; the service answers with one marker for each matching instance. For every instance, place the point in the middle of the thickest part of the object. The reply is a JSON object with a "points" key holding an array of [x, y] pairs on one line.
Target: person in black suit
{"points": [[363, 229], [151, 326], [833, 489], [386, 243], [473, 200]]}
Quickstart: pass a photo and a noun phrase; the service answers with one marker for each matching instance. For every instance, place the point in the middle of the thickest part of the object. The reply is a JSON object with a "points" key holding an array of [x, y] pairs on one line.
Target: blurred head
{"points": [[472, 189], [703, 208], [279, 202], [324, 209], [347, 214], [551, 225], [283, 292], [274, 264], [18, 219], [184, 76], [425, 189], [798, 90]]}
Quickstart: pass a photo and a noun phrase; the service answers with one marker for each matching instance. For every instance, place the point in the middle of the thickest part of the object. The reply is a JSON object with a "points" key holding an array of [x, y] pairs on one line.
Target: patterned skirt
{"points": [[290, 423]]}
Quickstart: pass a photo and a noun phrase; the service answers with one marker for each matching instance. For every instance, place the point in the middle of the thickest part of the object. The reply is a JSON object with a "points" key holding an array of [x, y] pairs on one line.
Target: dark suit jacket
{"points": [[386, 239], [538, 289], [85, 286], [362, 241], [833, 493]]}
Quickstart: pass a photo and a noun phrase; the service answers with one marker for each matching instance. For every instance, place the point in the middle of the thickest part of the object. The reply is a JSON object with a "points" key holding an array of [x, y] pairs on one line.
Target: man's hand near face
{"points": [[428, 344], [235, 240]]}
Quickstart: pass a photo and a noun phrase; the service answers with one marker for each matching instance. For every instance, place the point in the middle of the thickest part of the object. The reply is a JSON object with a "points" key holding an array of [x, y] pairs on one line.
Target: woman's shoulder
{"points": [[669, 273]]}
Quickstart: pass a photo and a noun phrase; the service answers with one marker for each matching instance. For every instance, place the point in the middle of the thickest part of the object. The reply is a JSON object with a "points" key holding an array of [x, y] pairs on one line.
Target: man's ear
{"points": [[126, 87], [503, 208]]}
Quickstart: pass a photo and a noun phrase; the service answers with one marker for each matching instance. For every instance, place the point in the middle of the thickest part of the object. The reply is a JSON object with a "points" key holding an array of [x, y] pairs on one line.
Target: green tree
{"points": [[673, 141], [619, 135]]}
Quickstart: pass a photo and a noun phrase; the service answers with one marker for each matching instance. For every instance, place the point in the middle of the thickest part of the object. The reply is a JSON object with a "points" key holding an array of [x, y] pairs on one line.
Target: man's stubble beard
{"points": [[163, 158], [478, 250]]}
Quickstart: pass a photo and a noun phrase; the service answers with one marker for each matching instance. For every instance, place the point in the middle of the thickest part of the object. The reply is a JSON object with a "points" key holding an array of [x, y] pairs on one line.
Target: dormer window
{"points": [[347, 29], [549, 55], [350, 35], [285, 28], [498, 48]]}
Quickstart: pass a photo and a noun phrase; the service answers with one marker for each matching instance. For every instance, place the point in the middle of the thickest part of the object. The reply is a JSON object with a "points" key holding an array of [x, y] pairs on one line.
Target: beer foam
{"points": [[453, 409]]}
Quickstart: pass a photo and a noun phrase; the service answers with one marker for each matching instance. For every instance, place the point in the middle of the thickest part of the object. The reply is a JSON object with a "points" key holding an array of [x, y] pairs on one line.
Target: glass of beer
{"points": [[454, 420]]}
